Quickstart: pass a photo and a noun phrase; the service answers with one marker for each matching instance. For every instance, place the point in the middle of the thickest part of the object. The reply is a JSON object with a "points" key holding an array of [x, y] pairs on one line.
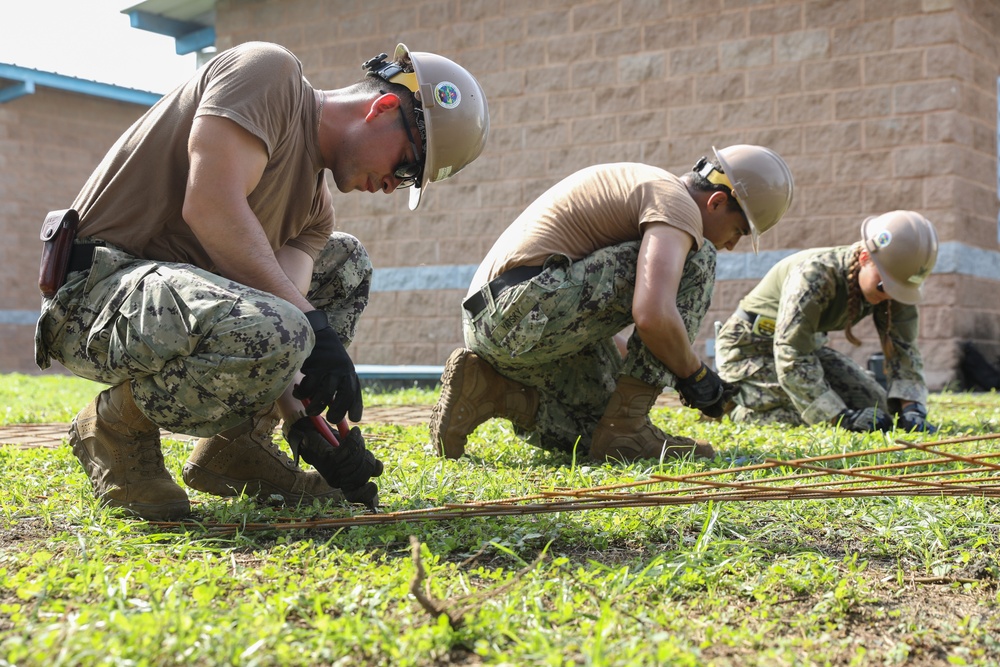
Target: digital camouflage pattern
{"points": [[792, 377], [203, 352], [554, 333]]}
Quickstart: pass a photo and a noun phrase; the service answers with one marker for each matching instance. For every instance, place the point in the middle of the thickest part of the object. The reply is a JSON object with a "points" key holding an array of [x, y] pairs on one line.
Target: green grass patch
{"points": [[867, 581]]}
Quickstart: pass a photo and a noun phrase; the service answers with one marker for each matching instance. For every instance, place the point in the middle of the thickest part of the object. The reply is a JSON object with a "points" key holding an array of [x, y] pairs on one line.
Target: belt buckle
{"points": [[763, 326]]}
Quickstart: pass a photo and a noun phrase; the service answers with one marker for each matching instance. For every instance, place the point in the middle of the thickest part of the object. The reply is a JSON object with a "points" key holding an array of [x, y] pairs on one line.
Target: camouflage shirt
{"points": [[806, 293]]}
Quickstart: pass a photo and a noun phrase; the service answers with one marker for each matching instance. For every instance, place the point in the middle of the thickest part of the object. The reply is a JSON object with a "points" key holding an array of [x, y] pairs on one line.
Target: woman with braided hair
{"points": [[774, 346]]}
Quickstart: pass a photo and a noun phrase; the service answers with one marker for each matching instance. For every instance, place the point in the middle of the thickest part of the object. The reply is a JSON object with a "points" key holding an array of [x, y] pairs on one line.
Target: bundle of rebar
{"points": [[900, 469]]}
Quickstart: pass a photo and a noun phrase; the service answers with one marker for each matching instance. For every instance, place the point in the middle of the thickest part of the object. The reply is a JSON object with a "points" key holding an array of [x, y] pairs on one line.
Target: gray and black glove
{"points": [[330, 378], [914, 418], [864, 420], [348, 467], [706, 391]]}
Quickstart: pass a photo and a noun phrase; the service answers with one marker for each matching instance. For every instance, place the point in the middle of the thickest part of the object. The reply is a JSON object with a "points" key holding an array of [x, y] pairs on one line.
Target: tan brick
{"points": [[925, 96], [546, 78], [716, 28], [644, 11], [720, 87], [893, 131], [831, 74], [749, 53], [502, 31], [570, 48], [696, 7], [808, 170], [663, 35], [646, 67], [478, 10], [862, 166], [620, 97], [830, 200], [776, 20], [864, 103], [807, 108], [933, 160], [950, 127], [832, 137], [645, 124], [774, 81], [801, 45], [593, 17], [546, 24], [874, 11], [620, 41], [670, 93], [572, 104], [592, 130], [751, 113], [832, 12], [903, 66], [860, 38], [909, 32], [692, 120], [694, 60]]}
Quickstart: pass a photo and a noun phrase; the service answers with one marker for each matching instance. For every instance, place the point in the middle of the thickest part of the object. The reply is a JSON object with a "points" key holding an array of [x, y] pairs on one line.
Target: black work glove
{"points": [[914, 418], [330, 379], [348, 467], [864, 420], [707, 392]]}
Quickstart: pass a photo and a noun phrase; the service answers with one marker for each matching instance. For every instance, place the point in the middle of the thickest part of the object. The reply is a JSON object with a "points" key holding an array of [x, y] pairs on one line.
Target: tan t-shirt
{"points": [[134, 198], [594, 208]]}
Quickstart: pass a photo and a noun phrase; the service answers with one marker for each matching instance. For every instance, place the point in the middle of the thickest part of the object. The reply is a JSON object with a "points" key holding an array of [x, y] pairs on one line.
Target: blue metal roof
{"points": [[26, 79], [190, 22]]}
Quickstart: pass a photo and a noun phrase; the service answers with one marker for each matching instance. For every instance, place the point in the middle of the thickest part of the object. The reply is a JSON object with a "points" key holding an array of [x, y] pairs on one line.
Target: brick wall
{"points": [[875, 104], [49, 143]]}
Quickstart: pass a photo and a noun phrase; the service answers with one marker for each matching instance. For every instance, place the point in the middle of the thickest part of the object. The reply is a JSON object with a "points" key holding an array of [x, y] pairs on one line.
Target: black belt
{"points": [[82, 255], [477, 302]]}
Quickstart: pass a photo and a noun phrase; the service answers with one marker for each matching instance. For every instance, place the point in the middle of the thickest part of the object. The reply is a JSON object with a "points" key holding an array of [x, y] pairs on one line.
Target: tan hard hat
{"points": [[761, 182], [456, 119], [904, 247]]}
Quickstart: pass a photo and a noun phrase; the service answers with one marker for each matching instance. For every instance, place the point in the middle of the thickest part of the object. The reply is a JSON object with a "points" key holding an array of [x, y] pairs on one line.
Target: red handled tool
{"points": [[324, 429]]}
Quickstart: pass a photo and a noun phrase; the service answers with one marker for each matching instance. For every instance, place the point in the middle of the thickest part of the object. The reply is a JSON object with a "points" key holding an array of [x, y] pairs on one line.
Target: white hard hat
{"points": [[760, 181], [452, 113], [904, 247]]}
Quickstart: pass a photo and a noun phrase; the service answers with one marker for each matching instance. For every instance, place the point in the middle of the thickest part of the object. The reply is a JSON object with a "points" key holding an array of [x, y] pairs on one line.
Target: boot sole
{"points": [[206, 481], [158, 512]]}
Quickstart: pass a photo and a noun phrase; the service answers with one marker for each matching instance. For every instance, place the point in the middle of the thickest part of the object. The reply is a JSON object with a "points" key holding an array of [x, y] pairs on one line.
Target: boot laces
{"points": [[149, 456]]}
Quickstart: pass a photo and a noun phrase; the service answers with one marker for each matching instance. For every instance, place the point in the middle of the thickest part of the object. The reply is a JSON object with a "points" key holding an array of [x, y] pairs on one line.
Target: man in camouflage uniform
{"points": [[207, 282], [609, 246], [774, 347]]}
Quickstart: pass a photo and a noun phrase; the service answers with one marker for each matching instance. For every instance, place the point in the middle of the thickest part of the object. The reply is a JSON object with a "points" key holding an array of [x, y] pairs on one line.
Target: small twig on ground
{"points": [[455, 609], [430, 605]]}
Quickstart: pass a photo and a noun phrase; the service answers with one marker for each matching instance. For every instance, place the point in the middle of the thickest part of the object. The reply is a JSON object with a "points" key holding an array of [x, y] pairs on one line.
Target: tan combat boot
{"points": [[245, 459], [119, 447], [471, 393], [625, 432]]}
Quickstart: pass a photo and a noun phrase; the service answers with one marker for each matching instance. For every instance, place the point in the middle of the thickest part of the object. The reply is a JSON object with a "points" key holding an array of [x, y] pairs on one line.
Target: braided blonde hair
{"points": [[854, 298]]}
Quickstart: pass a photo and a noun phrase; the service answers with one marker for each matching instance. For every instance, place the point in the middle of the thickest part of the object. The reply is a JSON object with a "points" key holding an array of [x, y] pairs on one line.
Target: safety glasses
{"points": [[409, 173]]}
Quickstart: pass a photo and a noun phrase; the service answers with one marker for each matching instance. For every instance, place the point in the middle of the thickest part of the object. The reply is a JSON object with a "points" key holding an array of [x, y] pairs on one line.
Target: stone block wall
{"points": [[875, 104], [50, 142]]}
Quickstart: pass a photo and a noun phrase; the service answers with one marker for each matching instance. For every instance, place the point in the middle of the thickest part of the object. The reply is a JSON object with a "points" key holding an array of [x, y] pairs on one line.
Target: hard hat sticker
{"points": [[447, 95], [883, 239]]}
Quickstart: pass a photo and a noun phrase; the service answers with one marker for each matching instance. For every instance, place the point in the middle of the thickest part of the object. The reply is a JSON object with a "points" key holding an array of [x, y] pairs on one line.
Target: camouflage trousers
{"points": [[555, 333], [747, 359], [202, 352]]}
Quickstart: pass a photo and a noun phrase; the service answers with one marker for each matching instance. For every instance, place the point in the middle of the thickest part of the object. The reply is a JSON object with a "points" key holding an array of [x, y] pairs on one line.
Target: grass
{"points": [[872, 581]]}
